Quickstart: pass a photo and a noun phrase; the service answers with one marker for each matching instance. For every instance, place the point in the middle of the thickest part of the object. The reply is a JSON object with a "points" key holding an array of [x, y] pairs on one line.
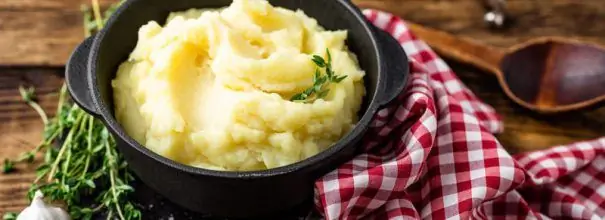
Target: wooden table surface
{"points": [[36, 37]]}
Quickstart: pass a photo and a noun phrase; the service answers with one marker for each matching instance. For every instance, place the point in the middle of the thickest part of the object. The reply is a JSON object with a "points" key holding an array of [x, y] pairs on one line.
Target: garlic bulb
{"points": [[37, 210]]}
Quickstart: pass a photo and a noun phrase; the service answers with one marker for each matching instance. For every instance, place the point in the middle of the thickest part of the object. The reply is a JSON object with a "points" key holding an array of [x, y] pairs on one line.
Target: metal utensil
{"points": [[496, 17]]}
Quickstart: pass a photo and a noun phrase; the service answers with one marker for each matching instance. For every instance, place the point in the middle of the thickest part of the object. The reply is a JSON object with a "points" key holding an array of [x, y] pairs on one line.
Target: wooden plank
{"points": [[21, 127], [44, 32], [531, 18], [40, 5], [40, 32]]}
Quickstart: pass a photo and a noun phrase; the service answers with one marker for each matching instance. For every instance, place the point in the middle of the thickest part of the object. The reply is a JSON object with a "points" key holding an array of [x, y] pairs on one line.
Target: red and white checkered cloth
{"points": [[431, 155]]}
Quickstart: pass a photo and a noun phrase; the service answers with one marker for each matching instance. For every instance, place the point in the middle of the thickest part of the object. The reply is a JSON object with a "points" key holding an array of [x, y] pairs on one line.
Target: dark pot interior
{"points": [[236, 194]]}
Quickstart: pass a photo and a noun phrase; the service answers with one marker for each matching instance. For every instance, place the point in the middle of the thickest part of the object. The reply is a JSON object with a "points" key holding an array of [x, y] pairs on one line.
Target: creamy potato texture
{"points": [[212, 88]]}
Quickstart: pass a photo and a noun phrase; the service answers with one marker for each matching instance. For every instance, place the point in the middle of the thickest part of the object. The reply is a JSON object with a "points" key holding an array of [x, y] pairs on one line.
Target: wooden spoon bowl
{"points": [[547, 75]]}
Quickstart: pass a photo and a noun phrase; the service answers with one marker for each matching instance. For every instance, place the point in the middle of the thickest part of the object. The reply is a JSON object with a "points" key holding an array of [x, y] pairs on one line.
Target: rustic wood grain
{"points": [[532, 18], [21, 127], [42, 33]]}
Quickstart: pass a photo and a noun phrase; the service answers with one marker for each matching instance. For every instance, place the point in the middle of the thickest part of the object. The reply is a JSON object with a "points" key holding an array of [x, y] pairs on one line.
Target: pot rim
{"points": [[345, 141]]}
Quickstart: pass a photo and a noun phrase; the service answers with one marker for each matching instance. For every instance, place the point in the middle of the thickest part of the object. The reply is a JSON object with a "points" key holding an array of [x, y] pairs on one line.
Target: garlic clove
{"points": [[38, 210]]}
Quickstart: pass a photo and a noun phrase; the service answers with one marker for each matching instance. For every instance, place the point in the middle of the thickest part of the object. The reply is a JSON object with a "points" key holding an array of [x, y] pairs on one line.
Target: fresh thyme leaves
{"points": [[9, 216], [88, 22], [29, 97], [96, 9], [320, 89], [87, 164], [92, 19], [112, 8], [8, 166]]}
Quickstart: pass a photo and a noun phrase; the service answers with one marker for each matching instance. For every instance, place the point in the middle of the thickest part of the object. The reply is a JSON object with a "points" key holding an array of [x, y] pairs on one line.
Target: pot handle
{"points": [[396, 63], [76, 77]]}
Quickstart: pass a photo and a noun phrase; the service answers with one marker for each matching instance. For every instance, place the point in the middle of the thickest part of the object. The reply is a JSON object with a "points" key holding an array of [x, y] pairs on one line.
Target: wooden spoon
{"points": [[547, 75]]}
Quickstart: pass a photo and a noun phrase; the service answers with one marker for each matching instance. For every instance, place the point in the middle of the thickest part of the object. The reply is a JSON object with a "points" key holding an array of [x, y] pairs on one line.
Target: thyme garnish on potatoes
{"points": [[87, 164], [321, 83]]}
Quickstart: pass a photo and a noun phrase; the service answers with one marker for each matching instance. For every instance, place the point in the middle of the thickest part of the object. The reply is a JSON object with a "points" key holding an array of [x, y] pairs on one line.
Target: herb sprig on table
{"points": [[87, 164], [321, 83]]}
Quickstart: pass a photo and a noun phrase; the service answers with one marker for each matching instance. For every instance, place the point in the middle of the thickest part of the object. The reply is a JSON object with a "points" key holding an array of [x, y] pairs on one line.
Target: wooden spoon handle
{"points": [[459, 48]]}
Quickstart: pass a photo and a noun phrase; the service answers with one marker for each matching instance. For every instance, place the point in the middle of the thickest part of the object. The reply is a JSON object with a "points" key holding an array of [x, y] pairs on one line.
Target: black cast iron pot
{"points": [[94, 63]]}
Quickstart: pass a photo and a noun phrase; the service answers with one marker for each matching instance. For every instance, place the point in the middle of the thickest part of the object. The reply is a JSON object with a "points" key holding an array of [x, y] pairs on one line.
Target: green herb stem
{"points": [[9, 216], [89, 145], [320, 87], [61, 102], [86, 20], [113, 192], [109, 215], [64, 148], [8, 166], [28, 97], [97, 12]]}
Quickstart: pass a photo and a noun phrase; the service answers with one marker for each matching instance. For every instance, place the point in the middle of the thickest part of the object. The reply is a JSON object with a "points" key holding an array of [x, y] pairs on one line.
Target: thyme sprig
{"points": [[9, 216], [321, 83], [87, 164], [28, 95]]}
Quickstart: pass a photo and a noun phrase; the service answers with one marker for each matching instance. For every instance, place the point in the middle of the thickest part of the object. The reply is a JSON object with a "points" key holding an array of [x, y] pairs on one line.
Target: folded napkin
{"points": [[431, 154]]}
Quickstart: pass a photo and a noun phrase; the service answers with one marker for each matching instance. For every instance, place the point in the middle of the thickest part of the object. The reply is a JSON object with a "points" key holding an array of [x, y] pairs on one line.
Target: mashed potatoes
{"points": [[212, 88]]}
